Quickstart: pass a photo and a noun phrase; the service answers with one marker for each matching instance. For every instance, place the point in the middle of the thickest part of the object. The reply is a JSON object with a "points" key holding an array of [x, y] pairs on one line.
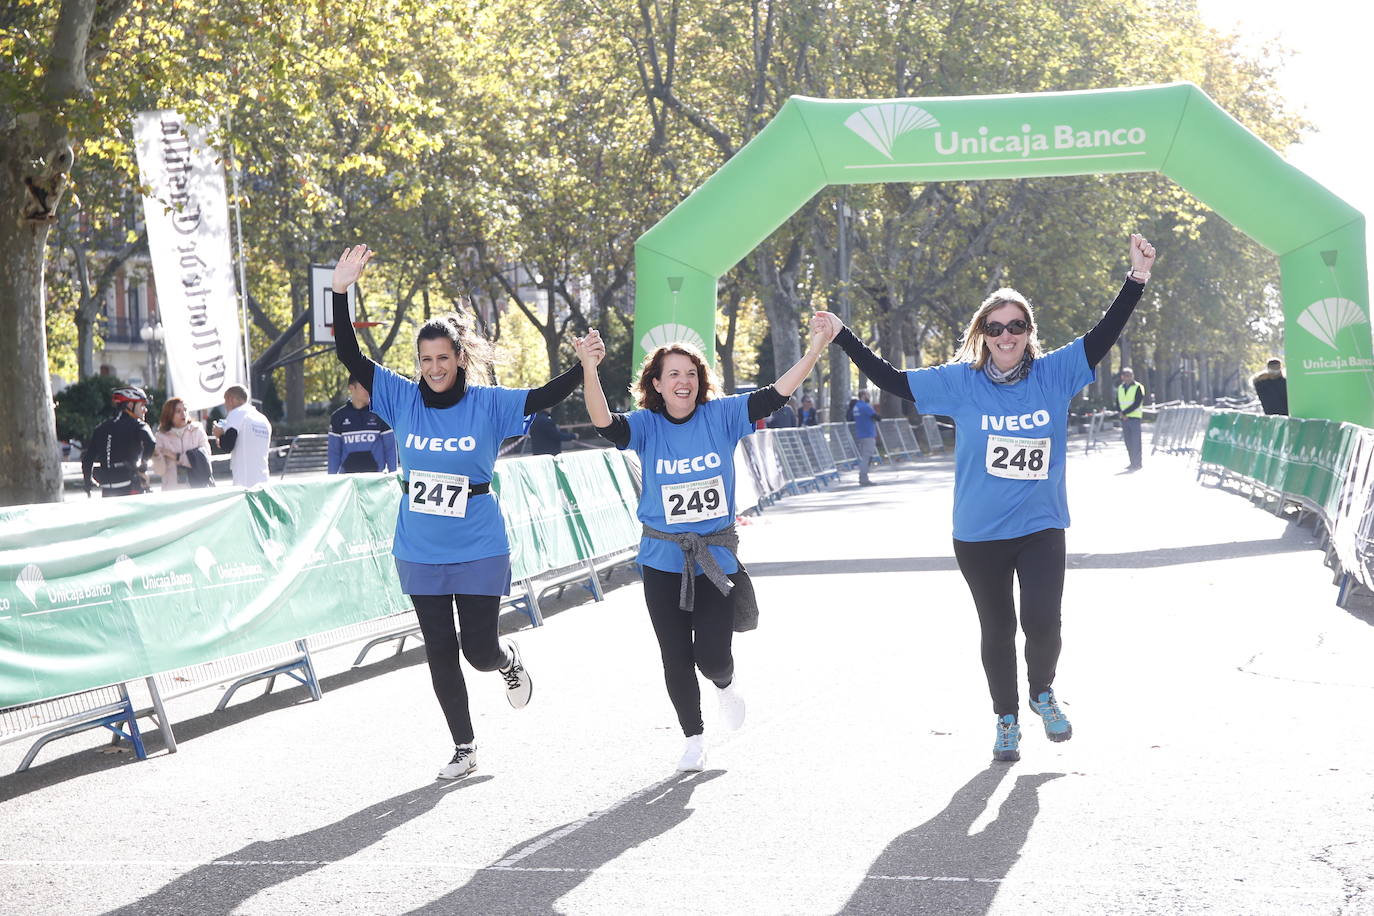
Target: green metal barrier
{"points": [[107, 591]]}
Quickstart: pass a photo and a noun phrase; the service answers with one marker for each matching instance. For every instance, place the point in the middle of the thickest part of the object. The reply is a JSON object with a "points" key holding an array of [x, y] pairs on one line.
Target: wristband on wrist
{"points": [[1138, 276]]}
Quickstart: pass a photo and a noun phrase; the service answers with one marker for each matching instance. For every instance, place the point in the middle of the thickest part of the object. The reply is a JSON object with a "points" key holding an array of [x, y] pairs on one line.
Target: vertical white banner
{"points": [[188, 239]]}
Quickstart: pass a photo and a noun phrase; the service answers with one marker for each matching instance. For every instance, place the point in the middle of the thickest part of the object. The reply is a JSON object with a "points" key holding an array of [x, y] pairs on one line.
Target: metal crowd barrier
{"points": [[796, 465], [1179, 428], [1322, 468], [818, 452], [935, 440], [897, 445], [1097, 421], [843, 450]]}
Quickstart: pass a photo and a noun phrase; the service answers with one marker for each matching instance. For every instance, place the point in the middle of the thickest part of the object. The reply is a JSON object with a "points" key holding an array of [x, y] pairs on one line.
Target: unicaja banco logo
{"points": [[880, 125], [1326, 318], [666, 334]]}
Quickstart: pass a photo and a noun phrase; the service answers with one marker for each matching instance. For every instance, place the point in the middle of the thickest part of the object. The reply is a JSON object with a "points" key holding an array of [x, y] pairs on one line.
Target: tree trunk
{"points": [[780, 304], [28, 450]]}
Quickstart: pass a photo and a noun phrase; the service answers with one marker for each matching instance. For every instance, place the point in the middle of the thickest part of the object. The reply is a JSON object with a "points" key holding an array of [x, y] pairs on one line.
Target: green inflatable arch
{"points": [[1173, 129]]}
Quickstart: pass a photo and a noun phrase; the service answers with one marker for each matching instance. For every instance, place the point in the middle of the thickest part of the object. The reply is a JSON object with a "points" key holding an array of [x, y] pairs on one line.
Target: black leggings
{"points": [[1038, 562], [688, 641], [477, 616]]}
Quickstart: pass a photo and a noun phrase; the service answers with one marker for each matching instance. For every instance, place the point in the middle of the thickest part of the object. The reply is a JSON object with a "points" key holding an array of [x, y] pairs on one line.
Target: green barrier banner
{"points": [[1217, 446], [117, 589], [1174, 129], [542, 533], [605, 518]]}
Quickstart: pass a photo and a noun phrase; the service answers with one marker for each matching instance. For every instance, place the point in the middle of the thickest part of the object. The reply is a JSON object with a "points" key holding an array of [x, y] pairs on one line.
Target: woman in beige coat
{"points": [[176, 437]]}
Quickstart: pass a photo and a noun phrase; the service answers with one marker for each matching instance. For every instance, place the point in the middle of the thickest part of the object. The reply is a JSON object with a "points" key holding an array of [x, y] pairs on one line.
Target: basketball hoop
{"points": [[358, 324]]}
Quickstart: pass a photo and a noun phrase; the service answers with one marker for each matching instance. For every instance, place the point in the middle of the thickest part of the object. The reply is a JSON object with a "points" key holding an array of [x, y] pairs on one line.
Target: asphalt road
{"points": [[1222, 759]]}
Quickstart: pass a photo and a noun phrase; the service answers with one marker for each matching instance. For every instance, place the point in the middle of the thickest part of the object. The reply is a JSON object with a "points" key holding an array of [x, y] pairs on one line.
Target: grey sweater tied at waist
{"points": [[694, 550]]}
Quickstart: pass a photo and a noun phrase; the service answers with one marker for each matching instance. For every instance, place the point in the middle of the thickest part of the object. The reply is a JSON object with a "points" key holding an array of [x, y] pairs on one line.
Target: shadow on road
{"points": [[532, 876], [220, 886], [938, 868]]}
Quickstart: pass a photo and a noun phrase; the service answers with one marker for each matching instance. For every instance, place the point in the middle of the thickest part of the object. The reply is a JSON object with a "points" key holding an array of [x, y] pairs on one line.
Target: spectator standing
{"points": [[247, 436], [785, 417], [1130, 397], [177, 438], [360, 442], [545, 436], [865, 434], [1271, 386], [807, 415], [122, 445]]}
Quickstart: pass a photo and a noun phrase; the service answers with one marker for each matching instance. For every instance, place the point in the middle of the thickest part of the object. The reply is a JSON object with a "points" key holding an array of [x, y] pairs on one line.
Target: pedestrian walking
{"points": [[685, 437], [1010, 402], [865, 435], [450, 545]]}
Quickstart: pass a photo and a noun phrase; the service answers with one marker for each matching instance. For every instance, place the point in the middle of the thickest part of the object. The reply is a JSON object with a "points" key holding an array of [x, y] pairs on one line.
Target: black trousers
{"points": [[477, 617], [690, 641], [1037, 561]]}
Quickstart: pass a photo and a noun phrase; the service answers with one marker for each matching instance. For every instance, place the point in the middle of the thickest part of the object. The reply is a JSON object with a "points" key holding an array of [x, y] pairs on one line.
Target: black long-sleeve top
{"points": [[762, 402], [346, 348], [1096, 343]]}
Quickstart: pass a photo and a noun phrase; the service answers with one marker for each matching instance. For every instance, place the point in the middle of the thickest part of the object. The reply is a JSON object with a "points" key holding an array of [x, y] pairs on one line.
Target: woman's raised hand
{"points": [[1142, 254], [350, 267], [825, 327], [591, 350]]}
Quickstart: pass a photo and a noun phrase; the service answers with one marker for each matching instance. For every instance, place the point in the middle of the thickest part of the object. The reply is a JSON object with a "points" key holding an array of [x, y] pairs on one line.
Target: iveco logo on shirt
{"points": [[1015, 421], [687, 465], [435, 444]]}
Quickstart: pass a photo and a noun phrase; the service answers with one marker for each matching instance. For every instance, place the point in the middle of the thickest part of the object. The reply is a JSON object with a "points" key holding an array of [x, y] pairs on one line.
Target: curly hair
{"points": [[648, 397], [973, 347]]}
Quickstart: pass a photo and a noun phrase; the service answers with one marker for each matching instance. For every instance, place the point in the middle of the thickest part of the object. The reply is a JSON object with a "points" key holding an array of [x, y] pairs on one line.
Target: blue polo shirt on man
{"points": [[462, 439], [689, 476], [1010, 442], [864, 416]]}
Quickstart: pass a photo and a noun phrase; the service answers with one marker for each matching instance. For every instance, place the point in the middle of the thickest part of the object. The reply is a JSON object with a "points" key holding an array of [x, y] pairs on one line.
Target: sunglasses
{"points": [[1017, 327]]}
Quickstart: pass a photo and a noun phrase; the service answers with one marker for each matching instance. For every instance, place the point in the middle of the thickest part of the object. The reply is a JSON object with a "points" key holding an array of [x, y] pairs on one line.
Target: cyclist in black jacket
{"points": [[122, 445]]}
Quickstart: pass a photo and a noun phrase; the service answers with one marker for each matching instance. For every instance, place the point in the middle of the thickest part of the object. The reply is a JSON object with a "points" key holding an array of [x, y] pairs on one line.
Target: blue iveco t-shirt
{"points": [[689, 476], [1010, 444], [436, 443]]}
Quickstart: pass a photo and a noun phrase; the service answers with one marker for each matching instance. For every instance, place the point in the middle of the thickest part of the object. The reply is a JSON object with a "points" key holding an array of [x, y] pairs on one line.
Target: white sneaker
{"points": [[731, 706], [693, 755], [519, 686], [464, 762]]}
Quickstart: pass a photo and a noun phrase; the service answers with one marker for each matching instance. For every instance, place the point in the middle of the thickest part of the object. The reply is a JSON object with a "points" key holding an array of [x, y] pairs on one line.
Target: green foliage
{"points": [[81, 407]]}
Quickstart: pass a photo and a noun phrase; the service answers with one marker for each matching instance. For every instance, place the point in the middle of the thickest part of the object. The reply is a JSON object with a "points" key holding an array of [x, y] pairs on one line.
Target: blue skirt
{"points": [[487, 576]]}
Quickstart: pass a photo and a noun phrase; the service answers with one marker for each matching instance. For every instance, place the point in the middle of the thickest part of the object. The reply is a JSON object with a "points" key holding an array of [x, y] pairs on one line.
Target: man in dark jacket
{"points": [[1272, 389], [359, 440], [122, 446], [545, 436]]}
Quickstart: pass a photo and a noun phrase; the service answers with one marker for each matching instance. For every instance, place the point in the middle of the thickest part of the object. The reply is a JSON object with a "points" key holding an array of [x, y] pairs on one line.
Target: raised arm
{"points": [[881, 372], [612, 427], [349, 268], [769, 398], [1105, 333], [554, 391]]}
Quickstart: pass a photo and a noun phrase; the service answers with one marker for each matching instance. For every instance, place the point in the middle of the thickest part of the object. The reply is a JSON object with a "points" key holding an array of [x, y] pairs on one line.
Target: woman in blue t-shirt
{"points": [[1010, 407], [686, 440], [450, 544]]}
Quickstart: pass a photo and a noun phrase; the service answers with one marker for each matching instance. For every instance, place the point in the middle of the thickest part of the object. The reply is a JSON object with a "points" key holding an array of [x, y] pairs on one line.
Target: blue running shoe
{"points": [[1007, 747], [1057, 727]]}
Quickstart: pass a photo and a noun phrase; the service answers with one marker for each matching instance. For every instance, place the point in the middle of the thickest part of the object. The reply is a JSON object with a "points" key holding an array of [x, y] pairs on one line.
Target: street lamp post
{"points": [[152, 335]]}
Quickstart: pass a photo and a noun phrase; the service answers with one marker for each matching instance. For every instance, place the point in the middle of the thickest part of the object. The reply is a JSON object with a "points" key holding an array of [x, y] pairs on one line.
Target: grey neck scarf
{"points": [[1014, 374]]}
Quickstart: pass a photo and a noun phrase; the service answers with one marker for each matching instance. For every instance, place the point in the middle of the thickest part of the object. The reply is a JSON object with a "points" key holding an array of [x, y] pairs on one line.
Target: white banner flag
{"points": [[188, 239]]}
